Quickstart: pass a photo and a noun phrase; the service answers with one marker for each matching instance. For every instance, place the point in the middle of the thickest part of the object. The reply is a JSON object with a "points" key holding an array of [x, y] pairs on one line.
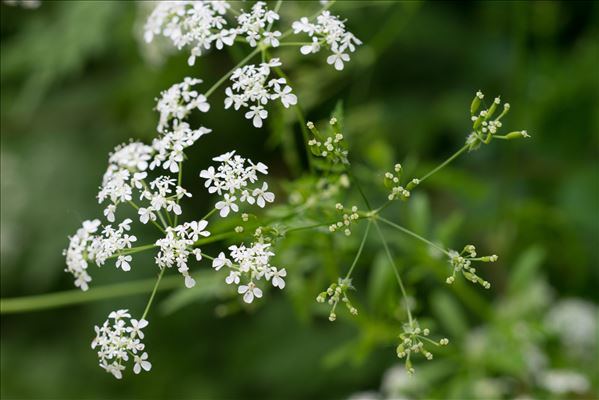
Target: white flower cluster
{"points": [[160, 195], [252, 89], [250, 264], [194, 24], [120, 339], [328, 30], [231, 179], [76, 252], [169, 147], [177, 245], [86, 246], [254, 25], [179, 100], [201, 25]]}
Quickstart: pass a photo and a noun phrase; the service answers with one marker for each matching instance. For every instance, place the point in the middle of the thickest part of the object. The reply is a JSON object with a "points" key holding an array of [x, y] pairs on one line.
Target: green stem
{"points": [[156, 285], [179, 180], [72, 297], [396, 271], [351, 269], [300, 117], [226, 76], [413, 234], [450, 159]]}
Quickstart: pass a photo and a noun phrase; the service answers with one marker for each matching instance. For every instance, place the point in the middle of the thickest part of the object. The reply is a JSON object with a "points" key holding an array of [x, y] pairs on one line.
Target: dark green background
{"points": [[75, 84]]}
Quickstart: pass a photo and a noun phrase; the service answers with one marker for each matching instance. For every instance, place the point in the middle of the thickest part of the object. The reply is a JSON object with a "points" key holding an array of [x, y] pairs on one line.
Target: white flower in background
{"points": [[178, 101], [251, 264], [575, 321], [329, 31], [177, 246], [564, 381], [117, 340], [233, 177], [252, 89]]}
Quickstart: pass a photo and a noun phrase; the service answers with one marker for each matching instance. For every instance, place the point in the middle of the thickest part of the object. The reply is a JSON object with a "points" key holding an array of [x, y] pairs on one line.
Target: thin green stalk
{"points": [[179, 181], [450, 159], [226, 76], [300, 117], [413, 234], [156, 285], [351, 269], [396, 271]]}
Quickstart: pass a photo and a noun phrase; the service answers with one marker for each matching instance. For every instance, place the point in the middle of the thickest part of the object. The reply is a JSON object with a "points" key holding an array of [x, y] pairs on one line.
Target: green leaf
{"points": [[450, 314]]}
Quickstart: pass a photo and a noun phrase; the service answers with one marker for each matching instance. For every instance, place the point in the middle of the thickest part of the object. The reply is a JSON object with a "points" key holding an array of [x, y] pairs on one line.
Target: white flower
{"points": [[221, 261], [262, 196], [109, 212], [233, 277], [141, 362], [197, 229], [249, 291], [272, 38], [278, 277], [123, 263], [226, 205], [314, 47], [257, 114], [337, 58], [137, 326], [146, 214]]}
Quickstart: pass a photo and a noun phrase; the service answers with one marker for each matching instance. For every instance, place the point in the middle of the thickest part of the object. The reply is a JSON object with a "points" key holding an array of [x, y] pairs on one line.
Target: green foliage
{"points": [[74, 83]]}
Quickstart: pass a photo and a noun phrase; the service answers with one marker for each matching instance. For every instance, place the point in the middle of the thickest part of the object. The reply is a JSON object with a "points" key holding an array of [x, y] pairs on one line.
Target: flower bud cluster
{"points": [[412, 341], [484, 126], [330, 146], [349, 217], [392, 182], [337, 292], [118, 340], [462, 262]]}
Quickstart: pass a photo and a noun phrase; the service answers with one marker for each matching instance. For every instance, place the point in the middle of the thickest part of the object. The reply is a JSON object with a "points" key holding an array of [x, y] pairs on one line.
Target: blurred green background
{"points": [[77, 80]]}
